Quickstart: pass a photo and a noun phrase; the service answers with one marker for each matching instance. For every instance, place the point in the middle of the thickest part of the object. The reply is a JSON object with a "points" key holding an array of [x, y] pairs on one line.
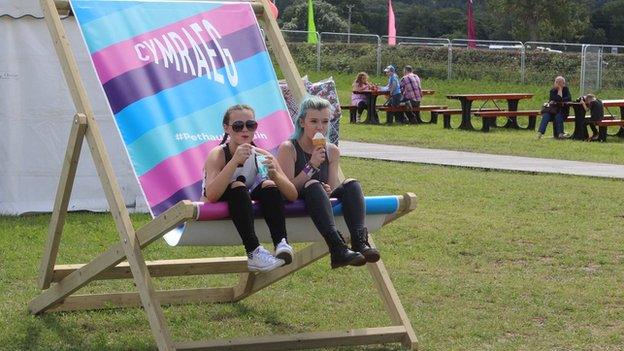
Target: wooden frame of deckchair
{"points": [[59, 282]]}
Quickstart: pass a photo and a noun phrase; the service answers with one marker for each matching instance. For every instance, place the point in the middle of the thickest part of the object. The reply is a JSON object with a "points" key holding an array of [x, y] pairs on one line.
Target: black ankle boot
{"points": [[340, 254], [359, 243]]}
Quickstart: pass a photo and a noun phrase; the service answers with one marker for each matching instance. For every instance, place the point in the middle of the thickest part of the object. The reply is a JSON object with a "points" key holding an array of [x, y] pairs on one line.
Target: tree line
{"points": [[586, 21]]}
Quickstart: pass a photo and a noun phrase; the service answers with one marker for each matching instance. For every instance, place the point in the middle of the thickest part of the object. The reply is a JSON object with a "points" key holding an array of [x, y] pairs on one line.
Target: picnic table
{"points": [[466, 106], [371, 101], [580, 130]]}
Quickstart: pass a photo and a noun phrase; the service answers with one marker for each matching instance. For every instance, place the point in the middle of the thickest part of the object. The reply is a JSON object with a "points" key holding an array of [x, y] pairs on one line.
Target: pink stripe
{"points": [[185, 169], [122, 57]]}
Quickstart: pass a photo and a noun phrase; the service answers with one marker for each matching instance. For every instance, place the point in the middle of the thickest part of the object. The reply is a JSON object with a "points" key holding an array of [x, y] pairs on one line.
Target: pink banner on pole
{"points": [[391, 25], [472, 36]]}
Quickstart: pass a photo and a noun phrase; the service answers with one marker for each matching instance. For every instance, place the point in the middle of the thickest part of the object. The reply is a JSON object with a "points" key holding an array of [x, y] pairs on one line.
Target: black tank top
{"points": [[303, 158]]}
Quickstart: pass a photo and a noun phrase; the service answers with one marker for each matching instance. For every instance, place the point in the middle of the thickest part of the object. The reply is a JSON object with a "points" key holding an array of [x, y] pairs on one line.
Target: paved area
{"points": [[477, 160]]}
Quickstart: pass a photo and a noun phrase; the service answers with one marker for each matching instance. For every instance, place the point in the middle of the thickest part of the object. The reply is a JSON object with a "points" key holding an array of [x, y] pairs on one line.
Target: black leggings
{"points": [[319, 207], [241, 212], [361, 107]]}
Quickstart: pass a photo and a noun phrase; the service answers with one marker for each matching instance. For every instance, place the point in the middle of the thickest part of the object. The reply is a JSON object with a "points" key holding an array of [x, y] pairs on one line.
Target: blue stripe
{"points": [[160, 143], [169, 104], [375, 205], [123, 25], [89, 10]]}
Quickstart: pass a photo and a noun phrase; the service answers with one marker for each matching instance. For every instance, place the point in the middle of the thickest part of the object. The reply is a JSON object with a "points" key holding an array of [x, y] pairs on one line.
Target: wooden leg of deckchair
{"points": [[250, 285], [392, 302], [63, 193]]}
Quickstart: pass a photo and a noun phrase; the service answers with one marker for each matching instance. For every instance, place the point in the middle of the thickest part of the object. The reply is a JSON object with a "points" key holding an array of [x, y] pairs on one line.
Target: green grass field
{"points": [[488, 261], [498, 141]]}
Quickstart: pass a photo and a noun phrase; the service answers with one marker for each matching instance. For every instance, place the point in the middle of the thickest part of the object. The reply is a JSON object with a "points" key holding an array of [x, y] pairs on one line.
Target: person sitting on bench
{"points": [[394, 88], [558, 95], [233, 174], [596, 109], [412, 93], [359, 100], [313, 167]]}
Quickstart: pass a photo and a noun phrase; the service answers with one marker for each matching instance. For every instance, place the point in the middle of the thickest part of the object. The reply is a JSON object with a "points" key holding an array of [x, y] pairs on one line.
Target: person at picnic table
{"points": [[360, 100], [313, 166], [233, 173], [412, 92], [596, 110], [559, 94], [394, 88]]}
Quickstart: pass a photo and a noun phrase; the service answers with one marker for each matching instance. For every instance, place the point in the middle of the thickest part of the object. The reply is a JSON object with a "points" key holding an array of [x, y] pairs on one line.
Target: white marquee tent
{"points": [[36, 112]]}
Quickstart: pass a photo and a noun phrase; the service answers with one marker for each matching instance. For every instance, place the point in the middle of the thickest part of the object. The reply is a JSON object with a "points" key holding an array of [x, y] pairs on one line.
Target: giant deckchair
{"points": [[140, 93]]}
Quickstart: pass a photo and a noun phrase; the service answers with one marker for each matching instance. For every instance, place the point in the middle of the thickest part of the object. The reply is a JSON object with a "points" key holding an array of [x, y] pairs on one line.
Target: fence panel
{"points": [[349, 52], [612, 67], [495, 60], [307, 56], [431, 57], [546, 60]]}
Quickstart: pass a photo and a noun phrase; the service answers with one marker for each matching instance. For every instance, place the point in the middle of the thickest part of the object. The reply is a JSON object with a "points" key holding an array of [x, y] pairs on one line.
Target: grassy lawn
{"points": [[498, 141], [489, 260]]}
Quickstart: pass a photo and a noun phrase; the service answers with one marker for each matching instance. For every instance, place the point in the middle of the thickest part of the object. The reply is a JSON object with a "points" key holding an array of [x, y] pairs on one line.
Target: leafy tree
{"points": [[610, 19], [326, 17]]}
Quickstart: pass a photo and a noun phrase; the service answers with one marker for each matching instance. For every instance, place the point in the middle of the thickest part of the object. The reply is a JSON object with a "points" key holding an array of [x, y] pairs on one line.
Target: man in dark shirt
{"points": [[596, 111]]}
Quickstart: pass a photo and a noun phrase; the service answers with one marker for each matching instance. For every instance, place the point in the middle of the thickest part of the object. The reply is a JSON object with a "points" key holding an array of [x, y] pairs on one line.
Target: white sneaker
{"points": [[261, 260], [284, 251], [539, 135]]}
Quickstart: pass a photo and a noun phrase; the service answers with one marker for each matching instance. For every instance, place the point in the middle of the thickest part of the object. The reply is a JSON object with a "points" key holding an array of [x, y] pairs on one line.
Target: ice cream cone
{"points": [[318, 140]]}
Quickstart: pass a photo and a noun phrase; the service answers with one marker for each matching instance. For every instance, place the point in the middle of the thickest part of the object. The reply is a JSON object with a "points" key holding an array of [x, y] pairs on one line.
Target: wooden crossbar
{"points": [[164, 268], [302, 340]]}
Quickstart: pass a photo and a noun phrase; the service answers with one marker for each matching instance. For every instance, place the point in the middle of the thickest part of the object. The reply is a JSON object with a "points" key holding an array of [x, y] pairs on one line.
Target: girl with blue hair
{"points": [[313, 168]]}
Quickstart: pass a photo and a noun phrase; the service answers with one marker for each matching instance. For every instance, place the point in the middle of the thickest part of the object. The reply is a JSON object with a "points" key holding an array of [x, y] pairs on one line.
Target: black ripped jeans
{"points": [[241, 212], [320, 210]]}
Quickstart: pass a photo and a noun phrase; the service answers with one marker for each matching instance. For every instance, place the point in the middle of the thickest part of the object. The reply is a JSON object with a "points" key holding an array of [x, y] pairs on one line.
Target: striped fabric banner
{"points": [[170, 69]]}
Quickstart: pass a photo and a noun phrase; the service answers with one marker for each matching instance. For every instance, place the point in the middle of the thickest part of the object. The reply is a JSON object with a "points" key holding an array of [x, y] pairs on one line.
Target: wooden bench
{"points": [[447, 113], [487, 115], [353, 111], [602, 127], [404, 108]]}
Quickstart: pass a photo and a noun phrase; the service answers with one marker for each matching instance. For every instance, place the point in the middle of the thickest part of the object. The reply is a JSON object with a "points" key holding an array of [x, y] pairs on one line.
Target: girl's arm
{"points": [[334, 164], [218, 174], [283, 183]]}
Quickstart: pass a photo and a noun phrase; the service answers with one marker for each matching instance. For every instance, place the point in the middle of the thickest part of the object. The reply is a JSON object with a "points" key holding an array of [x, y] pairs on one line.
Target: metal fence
{"points": [[591, 66]]}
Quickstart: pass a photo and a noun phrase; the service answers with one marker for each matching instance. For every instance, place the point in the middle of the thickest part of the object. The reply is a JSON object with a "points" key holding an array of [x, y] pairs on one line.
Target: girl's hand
{"points": [[242, 153], [327, 189], [318, 157], [271, 164]]}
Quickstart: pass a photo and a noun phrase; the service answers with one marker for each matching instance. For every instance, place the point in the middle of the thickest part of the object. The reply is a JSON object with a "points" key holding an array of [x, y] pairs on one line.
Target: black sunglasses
{"points": [[250, 124]]}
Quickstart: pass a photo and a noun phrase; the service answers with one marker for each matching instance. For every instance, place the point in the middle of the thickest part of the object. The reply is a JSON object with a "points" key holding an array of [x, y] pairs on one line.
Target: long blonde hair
{"points": [[361, 79]]}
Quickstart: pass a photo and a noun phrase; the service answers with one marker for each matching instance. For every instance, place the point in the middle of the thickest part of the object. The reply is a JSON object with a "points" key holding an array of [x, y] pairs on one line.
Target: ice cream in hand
{"points": [[318, 140]]}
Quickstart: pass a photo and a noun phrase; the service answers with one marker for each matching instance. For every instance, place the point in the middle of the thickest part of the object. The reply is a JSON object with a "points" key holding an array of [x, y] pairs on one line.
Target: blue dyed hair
{"points": [[310, 102]]}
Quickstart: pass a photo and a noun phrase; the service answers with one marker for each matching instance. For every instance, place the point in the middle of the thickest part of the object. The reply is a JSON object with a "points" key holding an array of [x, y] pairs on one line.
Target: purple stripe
{"points": [[192, 192], [153, 78]]}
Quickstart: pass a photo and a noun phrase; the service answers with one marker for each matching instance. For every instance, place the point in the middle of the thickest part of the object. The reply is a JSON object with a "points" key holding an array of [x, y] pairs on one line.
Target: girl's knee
{"points": [[236, 184], [268, 184], [311, 182]]}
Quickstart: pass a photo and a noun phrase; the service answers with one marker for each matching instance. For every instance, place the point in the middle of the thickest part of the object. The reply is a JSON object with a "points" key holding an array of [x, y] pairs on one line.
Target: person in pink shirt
{"points": [[412, 93], [359, 100]]}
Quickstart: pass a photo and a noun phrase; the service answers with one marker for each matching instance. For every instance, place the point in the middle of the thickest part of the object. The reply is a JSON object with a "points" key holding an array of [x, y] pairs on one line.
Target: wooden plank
{"points": [[501, 96], [165, 268], [392, 302], [407, 203], [300, 341], [63, 194], [178, 214], [281, 52], [132, 299], [301, 259]]}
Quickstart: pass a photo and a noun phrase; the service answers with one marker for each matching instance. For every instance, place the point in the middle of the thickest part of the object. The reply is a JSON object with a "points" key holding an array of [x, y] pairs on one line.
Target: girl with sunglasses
{"points": [[314, 172], [231, 174]]}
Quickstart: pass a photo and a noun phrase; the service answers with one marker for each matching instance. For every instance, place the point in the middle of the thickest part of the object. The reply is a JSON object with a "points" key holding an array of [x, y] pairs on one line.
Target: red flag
{"points": [[472, 36], [391, 27], [274, 9]]}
